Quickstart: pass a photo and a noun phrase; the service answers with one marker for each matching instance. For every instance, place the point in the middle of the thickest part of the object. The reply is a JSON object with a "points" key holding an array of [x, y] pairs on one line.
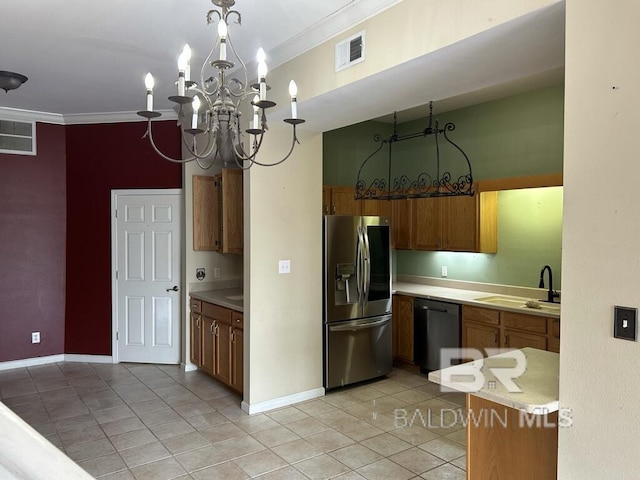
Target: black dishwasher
{"points": [[436, 325]]}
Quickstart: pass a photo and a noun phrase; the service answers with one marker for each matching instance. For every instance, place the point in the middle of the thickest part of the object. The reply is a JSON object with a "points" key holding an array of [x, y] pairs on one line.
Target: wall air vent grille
{"points": [[350, 51], [17, 137]]}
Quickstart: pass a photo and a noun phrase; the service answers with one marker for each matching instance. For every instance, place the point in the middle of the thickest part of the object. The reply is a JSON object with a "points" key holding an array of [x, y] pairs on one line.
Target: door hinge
{"points": [[116, 274], [117, 335], [116, 213]]}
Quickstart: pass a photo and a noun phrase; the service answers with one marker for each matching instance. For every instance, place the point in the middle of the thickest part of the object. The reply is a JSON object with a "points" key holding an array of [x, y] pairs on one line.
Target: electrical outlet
{"points": [[444, 271], [284, 266], [35, 337], [216, 272]]}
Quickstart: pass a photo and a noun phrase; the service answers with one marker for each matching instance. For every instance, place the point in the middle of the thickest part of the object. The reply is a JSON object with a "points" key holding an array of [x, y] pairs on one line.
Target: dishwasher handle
{"points": [[434, 309]]}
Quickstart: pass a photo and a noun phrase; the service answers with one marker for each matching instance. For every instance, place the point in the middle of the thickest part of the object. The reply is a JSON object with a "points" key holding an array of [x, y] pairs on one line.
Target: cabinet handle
{"points": [[198, 322], [215, 329], [233, 336], [334, 209], [506, 340], [495, 337], [211, 329]]}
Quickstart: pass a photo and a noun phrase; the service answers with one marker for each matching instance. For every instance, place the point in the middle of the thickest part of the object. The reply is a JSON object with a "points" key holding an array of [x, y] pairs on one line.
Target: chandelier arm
{"points": [[210, 149], [153, 144], [247, 158], [293, 144]]}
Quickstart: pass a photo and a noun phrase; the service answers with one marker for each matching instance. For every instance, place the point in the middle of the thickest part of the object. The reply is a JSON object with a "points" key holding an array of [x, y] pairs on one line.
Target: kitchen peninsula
{"points": [[510, 434]]}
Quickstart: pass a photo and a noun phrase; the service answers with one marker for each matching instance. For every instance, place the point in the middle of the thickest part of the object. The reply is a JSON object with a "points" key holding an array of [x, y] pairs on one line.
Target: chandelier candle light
{"points": [[215, 102]]}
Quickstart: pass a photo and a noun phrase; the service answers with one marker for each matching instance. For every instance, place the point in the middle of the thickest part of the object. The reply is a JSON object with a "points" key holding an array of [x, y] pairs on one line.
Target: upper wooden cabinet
{"points": [[459, 223], [217, 212], [402, 224], [340, 201]]}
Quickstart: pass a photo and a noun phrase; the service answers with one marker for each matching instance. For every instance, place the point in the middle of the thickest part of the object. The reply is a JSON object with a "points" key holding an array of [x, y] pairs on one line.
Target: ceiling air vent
{"points": [[17, 137], [350, 51]]}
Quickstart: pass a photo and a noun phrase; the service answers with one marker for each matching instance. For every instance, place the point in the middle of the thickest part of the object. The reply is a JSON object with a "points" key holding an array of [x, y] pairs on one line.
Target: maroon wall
{"points": [[32, 248], [101, 158]]}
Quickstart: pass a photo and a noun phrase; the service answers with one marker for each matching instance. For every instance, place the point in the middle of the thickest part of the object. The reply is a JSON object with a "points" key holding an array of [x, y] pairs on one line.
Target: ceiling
{"points": [[87, 57]]}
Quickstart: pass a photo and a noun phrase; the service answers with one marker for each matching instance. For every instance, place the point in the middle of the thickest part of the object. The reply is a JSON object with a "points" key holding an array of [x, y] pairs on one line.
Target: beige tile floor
{"points": [[136, 421]]}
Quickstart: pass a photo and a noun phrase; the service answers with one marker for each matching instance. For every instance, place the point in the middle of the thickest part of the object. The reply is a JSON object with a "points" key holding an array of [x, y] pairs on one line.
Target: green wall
{"points": [[515, 136], [511, 137], [529, 237]]}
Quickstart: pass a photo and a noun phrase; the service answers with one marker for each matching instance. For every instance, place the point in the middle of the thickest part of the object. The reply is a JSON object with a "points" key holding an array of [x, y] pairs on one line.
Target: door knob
{"points": [[174, 289]]}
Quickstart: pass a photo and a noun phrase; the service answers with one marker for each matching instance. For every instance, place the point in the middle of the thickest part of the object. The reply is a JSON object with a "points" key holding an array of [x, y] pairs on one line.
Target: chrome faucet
{"points": [[551, 294]]}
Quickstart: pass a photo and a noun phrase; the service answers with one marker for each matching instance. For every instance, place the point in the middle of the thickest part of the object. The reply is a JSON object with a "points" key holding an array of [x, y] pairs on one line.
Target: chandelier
{"points": [[210, 128]]}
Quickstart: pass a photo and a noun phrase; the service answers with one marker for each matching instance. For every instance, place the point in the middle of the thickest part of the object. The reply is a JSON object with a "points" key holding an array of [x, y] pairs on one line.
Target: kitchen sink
{"points": [[518, 302], [236, 297]]}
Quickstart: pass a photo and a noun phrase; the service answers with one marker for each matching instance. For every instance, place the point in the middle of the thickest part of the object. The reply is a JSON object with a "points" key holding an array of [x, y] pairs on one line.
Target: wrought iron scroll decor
{"points": [[433, 182]]}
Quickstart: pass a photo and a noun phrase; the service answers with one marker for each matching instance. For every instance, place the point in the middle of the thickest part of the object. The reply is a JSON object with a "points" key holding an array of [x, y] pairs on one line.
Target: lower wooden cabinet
{"points": [[402, 331], [484, 328], [217, 342]]}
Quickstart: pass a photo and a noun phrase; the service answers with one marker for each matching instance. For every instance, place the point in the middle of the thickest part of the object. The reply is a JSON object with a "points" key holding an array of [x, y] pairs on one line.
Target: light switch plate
{"points": [[625, 323]]}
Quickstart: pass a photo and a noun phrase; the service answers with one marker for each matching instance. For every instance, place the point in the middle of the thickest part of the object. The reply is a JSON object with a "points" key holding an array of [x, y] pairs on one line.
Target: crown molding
{"points": [[113, 117], [16, 114]]}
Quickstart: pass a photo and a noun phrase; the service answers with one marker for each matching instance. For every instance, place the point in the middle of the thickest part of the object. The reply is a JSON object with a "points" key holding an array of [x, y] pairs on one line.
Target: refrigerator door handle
{"points": [[362, 326], [367, 266], [359, 266]]}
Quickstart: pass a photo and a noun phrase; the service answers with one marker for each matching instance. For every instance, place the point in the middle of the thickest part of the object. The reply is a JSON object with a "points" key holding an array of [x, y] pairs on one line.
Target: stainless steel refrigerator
{"points": [[357, 299]]}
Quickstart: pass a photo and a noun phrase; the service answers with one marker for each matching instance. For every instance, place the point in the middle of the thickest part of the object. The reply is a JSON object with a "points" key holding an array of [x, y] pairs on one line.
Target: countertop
{"points": [[538, 382], [468, 297], [229, 297]]}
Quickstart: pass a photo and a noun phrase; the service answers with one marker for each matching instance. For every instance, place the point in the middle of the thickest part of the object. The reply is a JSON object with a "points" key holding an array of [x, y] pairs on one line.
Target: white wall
{"points": [[283, 220], [600, 375]]}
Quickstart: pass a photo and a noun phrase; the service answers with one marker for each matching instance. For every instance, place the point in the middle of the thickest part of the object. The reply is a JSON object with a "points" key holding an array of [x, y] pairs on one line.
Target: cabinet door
{"points": [[427, 223], [208, 344], [326, 200], [404, 320], [515, 339], [196, 339], [478, 336], [206, 213], [376, 208], [223, 353], [402, 224], [460, 223], [232, 217], [237, 361], [343, 201]]}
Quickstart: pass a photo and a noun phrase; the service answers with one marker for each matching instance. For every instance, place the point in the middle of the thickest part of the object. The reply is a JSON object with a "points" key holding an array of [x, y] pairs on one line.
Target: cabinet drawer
{"points": [[515, 339], [216, 312], [521, 321], [237, 319], [483, 315], [196, 306]]}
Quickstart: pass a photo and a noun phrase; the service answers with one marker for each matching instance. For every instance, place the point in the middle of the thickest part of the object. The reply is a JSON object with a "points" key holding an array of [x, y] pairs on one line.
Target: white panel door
{"points": [[147, 260]]}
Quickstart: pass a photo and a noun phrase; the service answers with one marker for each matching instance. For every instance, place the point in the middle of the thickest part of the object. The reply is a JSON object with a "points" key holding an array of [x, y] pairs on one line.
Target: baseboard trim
{"points": [[31, 362], [63, 357], [189, 367], [73, 357], [281, 401]]}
